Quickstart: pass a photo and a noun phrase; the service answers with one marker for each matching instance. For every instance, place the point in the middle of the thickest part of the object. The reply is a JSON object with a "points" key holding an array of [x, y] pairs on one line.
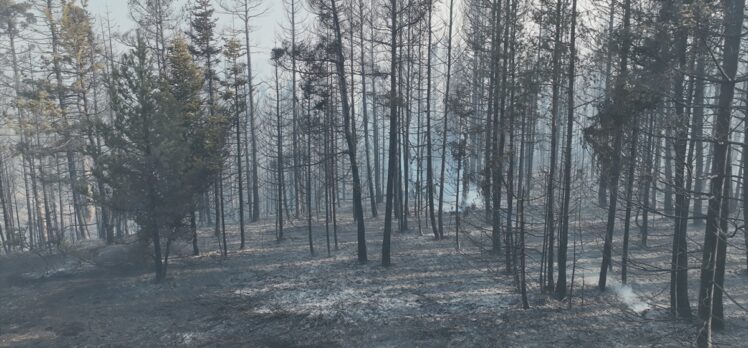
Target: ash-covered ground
{"points": [[275, 294]]}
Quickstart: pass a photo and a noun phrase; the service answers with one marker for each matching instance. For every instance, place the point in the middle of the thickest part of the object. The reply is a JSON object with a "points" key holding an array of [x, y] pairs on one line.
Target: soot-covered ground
{"points": [[274, 294]]}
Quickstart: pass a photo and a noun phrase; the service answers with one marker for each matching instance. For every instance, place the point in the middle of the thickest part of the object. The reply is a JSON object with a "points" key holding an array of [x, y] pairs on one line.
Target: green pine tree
{"points": [[164, 148]]}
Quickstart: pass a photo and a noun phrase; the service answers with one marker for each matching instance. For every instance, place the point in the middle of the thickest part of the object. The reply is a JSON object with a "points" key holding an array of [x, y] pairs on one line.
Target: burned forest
{"points": [[373, 173]]}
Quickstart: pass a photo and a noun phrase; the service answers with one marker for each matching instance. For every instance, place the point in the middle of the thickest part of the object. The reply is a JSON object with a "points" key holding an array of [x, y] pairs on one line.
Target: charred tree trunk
{"points": [[618, 104], [370, 182], [442, 182], [713, 260], [429, 146], [392, 163], [679, 304], [550, 187], [563, 235], [358, 209]]}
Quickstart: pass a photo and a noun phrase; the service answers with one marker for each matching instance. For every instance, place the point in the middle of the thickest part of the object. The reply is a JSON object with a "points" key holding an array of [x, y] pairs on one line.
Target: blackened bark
{"points": [[618, 104], [713, 260], [563, 235], [358, 209], [389, 195]]}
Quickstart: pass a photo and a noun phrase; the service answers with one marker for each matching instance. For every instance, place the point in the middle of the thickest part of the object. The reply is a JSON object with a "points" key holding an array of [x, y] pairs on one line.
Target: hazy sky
{"points": [[267, 28]]}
